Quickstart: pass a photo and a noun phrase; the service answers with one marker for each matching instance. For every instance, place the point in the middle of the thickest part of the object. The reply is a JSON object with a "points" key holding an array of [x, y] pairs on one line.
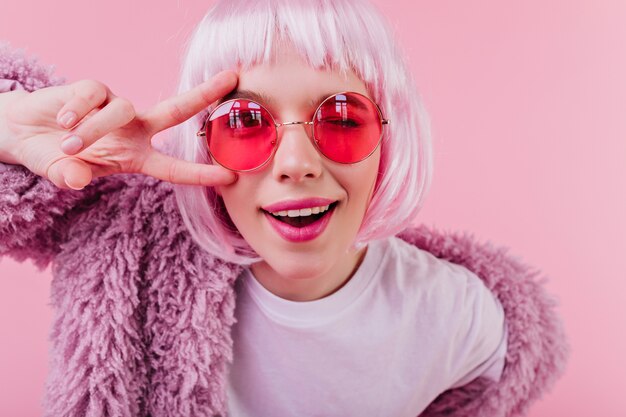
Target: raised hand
{"points": [[113, 137]]}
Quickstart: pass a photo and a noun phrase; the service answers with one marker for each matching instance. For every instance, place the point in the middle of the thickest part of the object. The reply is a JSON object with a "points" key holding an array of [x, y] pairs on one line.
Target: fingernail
{"points": [[68, 184], [68, 119], [231, 177], [223, 77], [72, 144]]}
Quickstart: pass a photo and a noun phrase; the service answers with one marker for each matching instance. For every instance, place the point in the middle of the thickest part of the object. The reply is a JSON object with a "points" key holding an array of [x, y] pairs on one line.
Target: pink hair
{"points": [[337, 34]]}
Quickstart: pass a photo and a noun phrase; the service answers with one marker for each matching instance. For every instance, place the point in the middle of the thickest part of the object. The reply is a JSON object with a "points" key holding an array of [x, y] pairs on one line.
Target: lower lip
{"points": [[300, 234]]}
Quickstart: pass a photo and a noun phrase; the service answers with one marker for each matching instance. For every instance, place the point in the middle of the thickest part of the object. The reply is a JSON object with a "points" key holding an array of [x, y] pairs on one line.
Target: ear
{"points": [[218, 190]]}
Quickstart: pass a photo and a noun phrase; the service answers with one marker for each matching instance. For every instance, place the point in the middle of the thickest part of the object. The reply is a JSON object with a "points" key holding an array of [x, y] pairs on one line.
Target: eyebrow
{"points": [[249, 95]]}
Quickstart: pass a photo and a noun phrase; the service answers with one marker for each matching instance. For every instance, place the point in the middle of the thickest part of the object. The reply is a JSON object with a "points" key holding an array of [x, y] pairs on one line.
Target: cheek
{"points": [[369, 179], [370, 173], [239, 199], [233, 204], [359, 182]]}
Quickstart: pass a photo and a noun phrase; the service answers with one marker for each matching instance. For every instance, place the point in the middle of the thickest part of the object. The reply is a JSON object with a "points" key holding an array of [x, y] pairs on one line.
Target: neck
{"points": [[311, 288]]}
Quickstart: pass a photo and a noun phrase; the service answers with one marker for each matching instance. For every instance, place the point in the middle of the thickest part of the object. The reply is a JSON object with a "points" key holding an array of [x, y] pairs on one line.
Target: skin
{"points": [[302, 271]]}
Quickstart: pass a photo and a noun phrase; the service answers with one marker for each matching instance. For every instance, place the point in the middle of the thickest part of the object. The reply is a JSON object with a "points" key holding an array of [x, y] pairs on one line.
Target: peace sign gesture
{"points": [[113, 138]]}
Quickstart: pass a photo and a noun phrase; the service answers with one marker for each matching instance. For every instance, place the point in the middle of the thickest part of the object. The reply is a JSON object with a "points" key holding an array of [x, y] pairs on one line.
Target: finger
{"points": [[86, 95], [70, 173], [178, 171], [117, 113], [177, 109]]}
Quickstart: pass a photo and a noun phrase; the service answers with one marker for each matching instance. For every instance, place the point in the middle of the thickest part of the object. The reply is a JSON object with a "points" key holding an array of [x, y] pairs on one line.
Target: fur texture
{"points": [[143, 315]]}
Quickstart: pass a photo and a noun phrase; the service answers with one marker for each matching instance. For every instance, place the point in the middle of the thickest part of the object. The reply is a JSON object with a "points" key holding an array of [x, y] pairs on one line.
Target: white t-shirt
{"points": [[406, 327]]}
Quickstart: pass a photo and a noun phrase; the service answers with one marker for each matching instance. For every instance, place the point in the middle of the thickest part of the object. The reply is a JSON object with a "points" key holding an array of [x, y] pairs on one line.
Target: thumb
{"points": [[70, 173]]}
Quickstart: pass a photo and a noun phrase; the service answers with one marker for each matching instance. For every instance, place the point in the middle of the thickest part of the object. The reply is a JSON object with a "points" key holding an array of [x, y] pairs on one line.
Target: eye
{"points": [[343, 122], [244, 119]]}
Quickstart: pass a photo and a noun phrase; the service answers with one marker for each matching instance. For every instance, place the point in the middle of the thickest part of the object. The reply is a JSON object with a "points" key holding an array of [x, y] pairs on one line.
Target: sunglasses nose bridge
{"points": [[293, 123], [307, 126]]}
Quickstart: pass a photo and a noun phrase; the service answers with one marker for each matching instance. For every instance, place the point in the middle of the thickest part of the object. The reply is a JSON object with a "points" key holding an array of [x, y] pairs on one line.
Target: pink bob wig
{"points": [[329, 34]]}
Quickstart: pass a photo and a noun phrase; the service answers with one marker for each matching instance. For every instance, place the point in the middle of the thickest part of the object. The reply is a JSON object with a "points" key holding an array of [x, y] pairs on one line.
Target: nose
{"points": [[296, 157]]}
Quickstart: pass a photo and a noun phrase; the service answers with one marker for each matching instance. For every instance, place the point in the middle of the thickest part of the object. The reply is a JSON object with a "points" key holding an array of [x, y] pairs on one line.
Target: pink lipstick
{"points": [[303, 233]]}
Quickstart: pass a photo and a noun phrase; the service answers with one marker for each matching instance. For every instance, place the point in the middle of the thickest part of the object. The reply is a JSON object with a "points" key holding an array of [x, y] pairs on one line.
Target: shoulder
{"points": [[451, 298], [432, 288], [422, 268]]}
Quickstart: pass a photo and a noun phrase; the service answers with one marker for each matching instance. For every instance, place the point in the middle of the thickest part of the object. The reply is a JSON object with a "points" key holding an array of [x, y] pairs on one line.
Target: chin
{"points": [[299, 270]]}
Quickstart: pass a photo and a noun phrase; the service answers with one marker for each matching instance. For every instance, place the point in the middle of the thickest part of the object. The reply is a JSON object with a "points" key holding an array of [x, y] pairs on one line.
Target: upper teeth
{"points": [[301, 212]]}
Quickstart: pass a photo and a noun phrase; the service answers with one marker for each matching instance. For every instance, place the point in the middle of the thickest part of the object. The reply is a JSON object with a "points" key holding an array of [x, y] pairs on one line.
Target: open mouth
{"points": [[302, 221]]}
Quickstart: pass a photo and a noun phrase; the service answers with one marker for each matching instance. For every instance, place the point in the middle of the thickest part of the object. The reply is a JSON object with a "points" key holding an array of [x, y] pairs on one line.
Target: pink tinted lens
{"points": [[240, 134], [347, 127]]}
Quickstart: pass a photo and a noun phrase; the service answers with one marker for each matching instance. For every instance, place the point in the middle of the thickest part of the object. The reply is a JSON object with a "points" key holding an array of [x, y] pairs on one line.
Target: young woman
{"points": [[301, 150]]}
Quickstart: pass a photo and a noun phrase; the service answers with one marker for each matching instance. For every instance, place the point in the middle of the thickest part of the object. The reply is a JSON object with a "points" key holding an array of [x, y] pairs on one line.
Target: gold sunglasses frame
{"points": [[202, 132]]}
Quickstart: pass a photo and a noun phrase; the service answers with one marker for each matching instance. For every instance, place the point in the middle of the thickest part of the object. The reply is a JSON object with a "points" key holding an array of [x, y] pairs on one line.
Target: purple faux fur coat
{"points": [[143, 316]]}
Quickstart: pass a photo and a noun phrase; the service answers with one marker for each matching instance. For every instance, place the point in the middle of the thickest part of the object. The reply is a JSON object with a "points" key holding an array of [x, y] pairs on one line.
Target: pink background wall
{"points": [[527, 101]]}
